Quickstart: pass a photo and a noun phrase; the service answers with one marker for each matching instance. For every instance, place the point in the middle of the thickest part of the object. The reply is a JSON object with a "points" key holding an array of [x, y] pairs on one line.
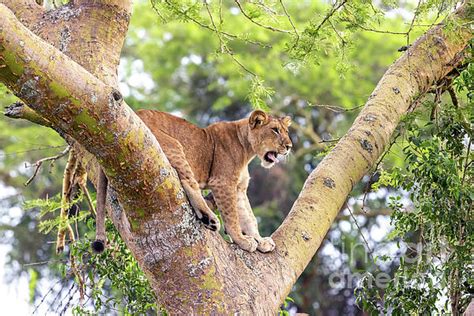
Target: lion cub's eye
{"points": [[276, 130]]}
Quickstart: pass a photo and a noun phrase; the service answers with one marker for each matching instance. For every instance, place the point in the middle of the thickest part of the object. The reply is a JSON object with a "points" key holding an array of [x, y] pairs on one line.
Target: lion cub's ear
{"points": [[287, 121], [258, 118]]}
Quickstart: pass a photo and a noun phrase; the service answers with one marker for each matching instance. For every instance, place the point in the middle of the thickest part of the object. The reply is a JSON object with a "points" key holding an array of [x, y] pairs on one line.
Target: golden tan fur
{"points": [[217, 158]]}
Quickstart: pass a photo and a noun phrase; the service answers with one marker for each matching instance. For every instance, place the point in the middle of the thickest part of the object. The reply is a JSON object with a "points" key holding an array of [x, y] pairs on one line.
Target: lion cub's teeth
{"points": [[272, 157]]}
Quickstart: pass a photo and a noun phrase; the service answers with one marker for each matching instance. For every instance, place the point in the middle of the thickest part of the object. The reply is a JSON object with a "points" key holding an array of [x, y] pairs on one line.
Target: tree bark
{"points": [[62, 63]]}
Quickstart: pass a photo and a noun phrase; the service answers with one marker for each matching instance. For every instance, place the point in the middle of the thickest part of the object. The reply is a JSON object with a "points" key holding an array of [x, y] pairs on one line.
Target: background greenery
{"points": [[177, 59]]}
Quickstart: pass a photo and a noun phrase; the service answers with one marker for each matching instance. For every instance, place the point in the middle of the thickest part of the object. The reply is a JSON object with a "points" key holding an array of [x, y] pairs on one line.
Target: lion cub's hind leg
{"points": [[174, 151], [208, 218]]}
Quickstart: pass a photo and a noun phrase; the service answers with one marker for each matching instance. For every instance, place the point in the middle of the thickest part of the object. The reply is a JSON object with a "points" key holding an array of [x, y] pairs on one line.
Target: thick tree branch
{"points": [[90, 32]]}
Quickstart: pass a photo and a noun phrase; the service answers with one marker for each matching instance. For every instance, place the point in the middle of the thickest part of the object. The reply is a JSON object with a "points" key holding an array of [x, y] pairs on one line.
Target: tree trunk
{"points": [[62, 64]]}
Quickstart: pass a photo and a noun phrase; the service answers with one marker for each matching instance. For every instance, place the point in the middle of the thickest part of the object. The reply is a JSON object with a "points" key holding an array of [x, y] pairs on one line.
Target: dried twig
{"points": [[413, 21], [69, 293], [375, 213], [77, 274], [68, 179], [31, 150], [330, 140], [368, 29], [40, 263], [47, 293], [335, 108], [360, 231], [40, 162], [308, 150]]}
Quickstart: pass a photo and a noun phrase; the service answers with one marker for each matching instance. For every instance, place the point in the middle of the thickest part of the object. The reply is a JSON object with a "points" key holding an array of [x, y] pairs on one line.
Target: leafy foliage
{"points": [[112, 280], [113, 271]]}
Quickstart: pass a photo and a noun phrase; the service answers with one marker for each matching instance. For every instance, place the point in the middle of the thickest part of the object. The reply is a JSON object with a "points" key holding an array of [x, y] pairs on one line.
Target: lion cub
{"points": [[216, 158]]}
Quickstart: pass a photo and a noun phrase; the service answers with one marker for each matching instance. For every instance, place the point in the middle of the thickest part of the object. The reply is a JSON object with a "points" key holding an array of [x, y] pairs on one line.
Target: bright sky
{"points": [[13, 297]]}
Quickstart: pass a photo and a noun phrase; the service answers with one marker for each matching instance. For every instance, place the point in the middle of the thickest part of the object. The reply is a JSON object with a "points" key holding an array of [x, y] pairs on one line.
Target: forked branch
{"points": [[94, 114], [40, 162]]}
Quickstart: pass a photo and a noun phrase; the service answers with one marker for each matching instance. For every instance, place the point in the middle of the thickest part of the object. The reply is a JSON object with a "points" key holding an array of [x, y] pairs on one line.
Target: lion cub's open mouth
{"points": [[271, 157]]}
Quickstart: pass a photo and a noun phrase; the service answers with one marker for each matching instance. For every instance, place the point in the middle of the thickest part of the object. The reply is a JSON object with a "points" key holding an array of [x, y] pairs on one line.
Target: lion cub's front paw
{"points": [[211, 221], [247, 243], [266, 244]]}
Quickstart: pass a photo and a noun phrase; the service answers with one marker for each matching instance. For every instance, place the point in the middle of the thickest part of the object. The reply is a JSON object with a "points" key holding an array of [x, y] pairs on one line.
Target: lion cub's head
{"points": [[269, 137]]}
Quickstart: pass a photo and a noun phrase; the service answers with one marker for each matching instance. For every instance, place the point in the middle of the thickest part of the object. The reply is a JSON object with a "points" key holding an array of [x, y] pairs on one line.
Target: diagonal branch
{"points": [[431, 58]]}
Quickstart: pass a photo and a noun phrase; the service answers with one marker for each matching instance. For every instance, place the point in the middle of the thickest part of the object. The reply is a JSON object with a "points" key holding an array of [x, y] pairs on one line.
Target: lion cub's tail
{"points": [[100, 237]]}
